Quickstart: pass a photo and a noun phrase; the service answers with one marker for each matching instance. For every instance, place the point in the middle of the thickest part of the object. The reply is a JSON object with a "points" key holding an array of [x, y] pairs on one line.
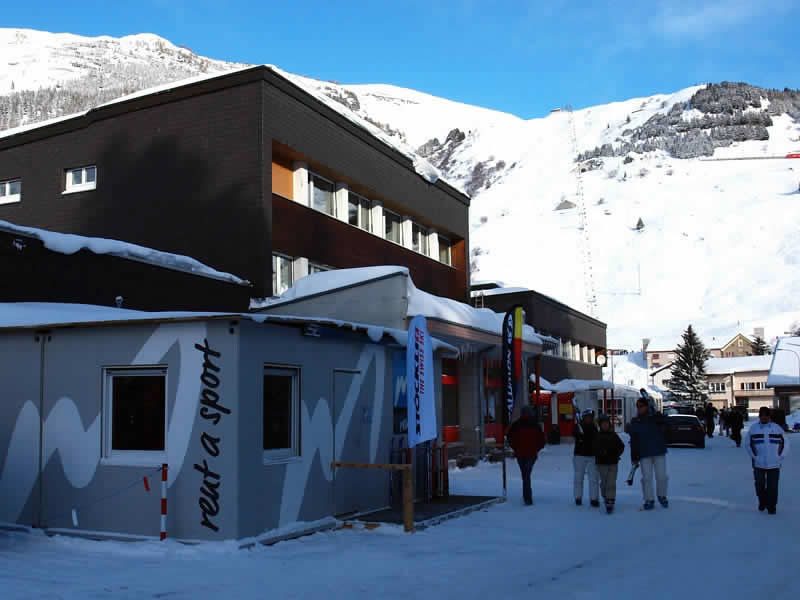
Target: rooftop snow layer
{"points": [[419, 302], [737, 364], [51, 314], [785, 368], [29, 315], [67, 243]]}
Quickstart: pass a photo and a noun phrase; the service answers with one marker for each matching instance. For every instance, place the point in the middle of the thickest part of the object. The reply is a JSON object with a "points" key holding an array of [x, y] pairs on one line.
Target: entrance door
{"points": [[354, 489]]}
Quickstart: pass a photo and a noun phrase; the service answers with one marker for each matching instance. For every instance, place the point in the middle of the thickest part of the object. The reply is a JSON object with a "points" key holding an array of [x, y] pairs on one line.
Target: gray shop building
{"points": [[248, 411]]}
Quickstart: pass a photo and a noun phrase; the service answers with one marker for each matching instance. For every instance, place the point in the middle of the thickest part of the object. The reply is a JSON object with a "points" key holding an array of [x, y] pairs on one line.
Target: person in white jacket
{"points": [[767, 446]]}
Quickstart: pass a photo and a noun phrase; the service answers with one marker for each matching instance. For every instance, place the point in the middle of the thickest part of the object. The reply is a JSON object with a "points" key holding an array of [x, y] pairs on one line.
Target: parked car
{"points": [[685, 429]]}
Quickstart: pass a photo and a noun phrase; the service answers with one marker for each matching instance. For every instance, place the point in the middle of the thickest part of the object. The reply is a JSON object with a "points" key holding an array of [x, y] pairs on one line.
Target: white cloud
{"points": [[700, 19]]}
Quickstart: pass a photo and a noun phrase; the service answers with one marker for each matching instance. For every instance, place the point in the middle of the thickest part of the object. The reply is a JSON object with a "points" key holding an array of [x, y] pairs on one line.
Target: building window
{"points": [[135, 415], [445, 255], [716, 388], [739, 343], [10, 191], [317, 268], [419, 239], [282, 274], [359, 211], [393, 226], [322, 194], [281, 424], [656, 356], [752, 386], [80, 179]]}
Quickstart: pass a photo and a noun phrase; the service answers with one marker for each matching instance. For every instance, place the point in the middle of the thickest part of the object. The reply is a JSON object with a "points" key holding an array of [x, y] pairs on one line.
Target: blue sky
{"points": [[517, 56]]}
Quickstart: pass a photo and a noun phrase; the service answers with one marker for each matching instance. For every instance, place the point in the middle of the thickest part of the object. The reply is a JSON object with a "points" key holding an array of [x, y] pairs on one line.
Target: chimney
{"points": [[758, 332], [645, 344]]}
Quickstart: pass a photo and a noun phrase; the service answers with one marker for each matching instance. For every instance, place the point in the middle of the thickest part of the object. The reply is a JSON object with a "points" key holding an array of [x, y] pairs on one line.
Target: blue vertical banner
{"points": [[421, 399]]}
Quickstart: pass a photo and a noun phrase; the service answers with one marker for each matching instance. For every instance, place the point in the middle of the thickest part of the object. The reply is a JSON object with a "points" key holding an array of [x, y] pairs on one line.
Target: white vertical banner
{"points": [[419, 381]]}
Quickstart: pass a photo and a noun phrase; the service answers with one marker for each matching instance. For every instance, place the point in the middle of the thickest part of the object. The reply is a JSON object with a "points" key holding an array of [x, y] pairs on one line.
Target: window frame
{"points": [[422, 233], [386, 213], [276, 273], [134, 458], [84, 186], [293, 453], [311, 177], [8, 197], [319, 268], [449, 246], [361, 203]]}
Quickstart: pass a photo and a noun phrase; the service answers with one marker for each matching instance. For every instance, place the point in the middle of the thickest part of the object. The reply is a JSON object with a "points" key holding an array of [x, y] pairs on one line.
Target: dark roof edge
{"points": [[212, 84], [557, 303]]}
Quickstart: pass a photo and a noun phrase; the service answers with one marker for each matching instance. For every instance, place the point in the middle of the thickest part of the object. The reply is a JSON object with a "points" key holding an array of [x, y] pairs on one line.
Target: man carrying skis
{"points": [[710, 425], [583, 459], [649, 449], [608, 447], [767, 446], [526, 439]]}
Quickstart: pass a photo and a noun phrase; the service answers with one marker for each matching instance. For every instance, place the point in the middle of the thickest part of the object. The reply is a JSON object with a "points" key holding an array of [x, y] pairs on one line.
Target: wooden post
{"points": [[408, 501]]}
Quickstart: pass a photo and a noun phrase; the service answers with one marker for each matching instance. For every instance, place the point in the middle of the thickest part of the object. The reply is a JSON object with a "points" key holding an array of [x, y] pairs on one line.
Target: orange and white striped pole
{"points": [[164, 501]]}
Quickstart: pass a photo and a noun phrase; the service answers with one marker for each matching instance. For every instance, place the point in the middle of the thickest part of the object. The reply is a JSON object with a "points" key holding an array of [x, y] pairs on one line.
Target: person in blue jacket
{"points": [[649, 449], [767, 446]]}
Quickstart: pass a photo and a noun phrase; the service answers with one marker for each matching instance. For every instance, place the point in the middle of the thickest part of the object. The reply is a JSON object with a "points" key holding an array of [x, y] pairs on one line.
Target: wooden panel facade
{"points": [[282, 179], [301, 231]]}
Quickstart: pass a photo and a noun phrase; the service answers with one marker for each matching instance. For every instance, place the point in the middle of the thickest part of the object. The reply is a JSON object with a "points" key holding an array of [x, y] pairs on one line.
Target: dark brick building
{"points": [[582, 338], [245, 172]]}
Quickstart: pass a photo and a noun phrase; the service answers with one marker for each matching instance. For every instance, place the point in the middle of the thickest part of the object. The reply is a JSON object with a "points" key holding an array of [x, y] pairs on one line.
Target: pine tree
{"points": [[760, 347], [688, 373]]}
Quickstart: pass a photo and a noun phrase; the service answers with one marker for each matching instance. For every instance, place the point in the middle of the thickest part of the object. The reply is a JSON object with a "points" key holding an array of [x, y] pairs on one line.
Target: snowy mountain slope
{"points": [[719, 246], [33, 59]]}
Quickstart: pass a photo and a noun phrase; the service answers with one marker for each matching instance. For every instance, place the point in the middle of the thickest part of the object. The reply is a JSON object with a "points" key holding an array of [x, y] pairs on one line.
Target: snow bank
{"points": [[327, 281], [566, 386], [785, 367], [445, 309], [419, 302], [67, 243]]}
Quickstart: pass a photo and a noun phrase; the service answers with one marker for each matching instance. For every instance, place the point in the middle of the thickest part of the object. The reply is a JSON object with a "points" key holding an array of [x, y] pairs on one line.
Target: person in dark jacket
{"points": [[649, 449], [710, 425], [700, 413], [724, 423], [608, 447], [736, 421], [583, 459], [526, 439]]}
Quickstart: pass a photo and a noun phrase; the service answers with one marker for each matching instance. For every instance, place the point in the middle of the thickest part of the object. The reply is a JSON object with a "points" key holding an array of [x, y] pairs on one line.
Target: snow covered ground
{"points": [[710, 543]]}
